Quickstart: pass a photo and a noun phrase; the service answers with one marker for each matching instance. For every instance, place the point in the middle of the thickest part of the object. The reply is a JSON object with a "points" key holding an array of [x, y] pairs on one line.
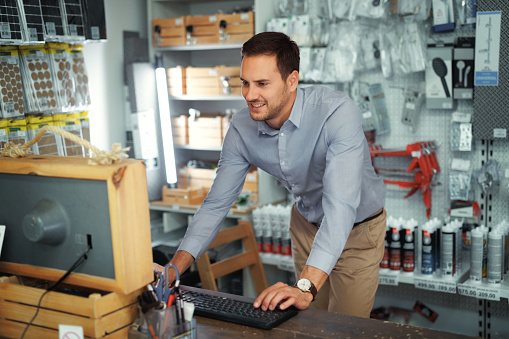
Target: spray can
{"points": [[476, 255], [409, 246], [395, 249]]}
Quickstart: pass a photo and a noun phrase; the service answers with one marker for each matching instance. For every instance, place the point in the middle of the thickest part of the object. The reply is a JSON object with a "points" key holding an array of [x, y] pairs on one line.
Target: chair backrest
{"points": [[248, 258]]}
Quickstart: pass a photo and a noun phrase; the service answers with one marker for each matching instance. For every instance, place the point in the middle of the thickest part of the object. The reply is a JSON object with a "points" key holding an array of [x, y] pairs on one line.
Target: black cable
{"points": [[52, 287]]}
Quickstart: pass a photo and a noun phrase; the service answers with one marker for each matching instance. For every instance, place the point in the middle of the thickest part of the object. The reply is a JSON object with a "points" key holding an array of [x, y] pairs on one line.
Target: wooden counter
{"points": [[320, 324]]}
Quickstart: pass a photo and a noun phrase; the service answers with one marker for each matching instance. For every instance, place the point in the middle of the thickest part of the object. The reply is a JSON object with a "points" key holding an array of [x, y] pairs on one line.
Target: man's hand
{"points": [[285, 296], [181, 259]]}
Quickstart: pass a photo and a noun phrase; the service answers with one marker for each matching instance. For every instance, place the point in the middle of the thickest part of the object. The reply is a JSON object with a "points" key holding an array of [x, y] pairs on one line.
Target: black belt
{"points": [[374, 216]]}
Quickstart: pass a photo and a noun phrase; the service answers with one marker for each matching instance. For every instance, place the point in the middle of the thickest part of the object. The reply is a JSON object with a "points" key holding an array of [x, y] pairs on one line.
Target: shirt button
{"points": [[282, 134], [293, 185], [282, 163]]}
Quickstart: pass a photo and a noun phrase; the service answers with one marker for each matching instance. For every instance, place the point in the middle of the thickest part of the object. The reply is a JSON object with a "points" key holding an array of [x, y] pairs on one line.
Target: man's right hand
{"points": [[181, 259]]}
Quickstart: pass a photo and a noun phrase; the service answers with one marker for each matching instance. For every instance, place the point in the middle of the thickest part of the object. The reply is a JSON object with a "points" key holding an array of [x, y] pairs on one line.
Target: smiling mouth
{"points": [[257, 104]]}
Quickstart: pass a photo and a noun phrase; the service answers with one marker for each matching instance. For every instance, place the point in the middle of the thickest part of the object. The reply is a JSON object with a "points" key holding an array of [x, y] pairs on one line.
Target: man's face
{"points": [[268, 97]]}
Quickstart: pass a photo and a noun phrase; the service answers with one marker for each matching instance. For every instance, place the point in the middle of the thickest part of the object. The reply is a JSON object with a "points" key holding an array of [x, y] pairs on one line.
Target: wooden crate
{"points": [[239, 27], [180, 130], [172, 32], [205, 29], [176, 80], [203, 178], [102, 314], [209, 80], [206, 131], [184, 196]]}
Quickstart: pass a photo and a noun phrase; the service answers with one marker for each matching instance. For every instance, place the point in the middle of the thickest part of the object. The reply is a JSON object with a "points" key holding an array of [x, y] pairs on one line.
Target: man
{"points": [[312, 141]]}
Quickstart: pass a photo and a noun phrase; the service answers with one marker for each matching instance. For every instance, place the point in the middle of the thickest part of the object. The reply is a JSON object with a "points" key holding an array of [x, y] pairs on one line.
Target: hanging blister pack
{"points": [[412, 108], [377, 99], [461, 132]]}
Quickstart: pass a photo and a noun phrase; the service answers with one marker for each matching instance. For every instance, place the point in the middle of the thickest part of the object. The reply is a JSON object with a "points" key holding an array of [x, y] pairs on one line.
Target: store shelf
{"points": [[200, 148], [203, 47], [162, 206], [207, 97], [282, 262]]}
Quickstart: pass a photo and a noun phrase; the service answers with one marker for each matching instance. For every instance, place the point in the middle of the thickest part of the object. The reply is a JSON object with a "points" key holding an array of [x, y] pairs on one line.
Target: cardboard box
{"points": [[463, 68], [101, 314], [168, 32], [236, 28], [184, 196], [176, 77], [203, 29], [180, 130], [438, 75]]}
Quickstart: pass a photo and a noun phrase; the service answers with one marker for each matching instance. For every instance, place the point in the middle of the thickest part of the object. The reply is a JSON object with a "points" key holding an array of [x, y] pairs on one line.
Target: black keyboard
{"points": [[234, 308]]}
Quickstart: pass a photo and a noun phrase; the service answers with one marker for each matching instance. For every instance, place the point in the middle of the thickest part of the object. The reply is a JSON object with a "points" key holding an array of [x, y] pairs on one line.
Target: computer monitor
{"points": [[54, 208]]}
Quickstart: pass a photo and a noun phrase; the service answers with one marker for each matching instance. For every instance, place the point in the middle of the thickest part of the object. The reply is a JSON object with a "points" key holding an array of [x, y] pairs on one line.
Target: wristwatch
{"points": [[305, 285]]}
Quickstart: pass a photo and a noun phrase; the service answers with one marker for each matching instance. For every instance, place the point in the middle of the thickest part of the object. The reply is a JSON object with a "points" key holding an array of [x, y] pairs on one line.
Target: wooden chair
{"points": [[248, 258]]}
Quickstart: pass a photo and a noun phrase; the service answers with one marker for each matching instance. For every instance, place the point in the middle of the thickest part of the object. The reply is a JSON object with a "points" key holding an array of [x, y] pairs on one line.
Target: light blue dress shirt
{"points": [[320, 155]]}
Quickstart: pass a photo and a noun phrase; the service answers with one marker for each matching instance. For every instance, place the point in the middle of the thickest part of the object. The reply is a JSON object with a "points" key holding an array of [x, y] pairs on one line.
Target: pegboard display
{"points": [[499, 202], [433, 125]]}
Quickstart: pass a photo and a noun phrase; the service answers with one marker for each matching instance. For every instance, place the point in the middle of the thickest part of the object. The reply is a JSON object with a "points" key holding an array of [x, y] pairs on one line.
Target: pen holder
{"points": [[165, 324]]}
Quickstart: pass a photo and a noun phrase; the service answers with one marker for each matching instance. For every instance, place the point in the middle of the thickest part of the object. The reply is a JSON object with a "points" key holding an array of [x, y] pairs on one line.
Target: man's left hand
{"points": [[283, 295]]}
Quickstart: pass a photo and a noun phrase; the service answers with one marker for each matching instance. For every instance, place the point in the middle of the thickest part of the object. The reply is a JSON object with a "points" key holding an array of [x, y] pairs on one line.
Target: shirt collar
{"points": [[295, 115]]}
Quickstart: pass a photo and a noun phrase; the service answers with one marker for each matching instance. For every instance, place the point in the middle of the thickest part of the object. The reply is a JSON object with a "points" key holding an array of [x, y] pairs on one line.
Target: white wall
{"points": [[105, 66]]}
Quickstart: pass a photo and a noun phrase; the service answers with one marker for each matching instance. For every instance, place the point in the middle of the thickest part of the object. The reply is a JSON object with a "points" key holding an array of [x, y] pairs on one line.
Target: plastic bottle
{"points": [[476, 255], [257, 226], [448, 251], [495, 253]]}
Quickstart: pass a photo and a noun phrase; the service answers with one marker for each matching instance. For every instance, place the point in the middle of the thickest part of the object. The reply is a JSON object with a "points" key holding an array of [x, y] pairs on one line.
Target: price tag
{"points": [[50, 28], [488, 293], [467, 290], [96, 34], [388, 279], [73, 30], [5, 31], [9, 109], [175, 207], [32, 34], [425, 284], [446, 287]]}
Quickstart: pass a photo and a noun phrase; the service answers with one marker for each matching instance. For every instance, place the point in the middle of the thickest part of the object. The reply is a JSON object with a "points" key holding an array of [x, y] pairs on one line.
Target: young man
{"points": [[312, 141]]}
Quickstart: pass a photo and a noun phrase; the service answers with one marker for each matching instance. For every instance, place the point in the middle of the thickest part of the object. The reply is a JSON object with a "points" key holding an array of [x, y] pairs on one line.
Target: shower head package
{"points": [[438, 75]]}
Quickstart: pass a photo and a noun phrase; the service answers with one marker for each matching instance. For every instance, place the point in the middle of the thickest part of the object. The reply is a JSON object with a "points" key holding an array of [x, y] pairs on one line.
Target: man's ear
{"points": [[293, 80]]}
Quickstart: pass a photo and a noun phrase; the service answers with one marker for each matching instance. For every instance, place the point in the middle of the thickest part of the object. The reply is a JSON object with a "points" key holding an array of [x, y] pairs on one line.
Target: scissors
{"points": [[163, 291], [161, 288]]}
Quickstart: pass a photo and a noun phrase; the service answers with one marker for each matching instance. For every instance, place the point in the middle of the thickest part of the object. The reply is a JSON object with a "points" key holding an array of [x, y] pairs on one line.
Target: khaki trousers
{"points": [[352, 284]]}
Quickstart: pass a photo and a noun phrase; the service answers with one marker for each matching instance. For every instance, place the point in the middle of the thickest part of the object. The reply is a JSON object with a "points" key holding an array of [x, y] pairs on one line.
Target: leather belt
{"points": [[374, 216]]}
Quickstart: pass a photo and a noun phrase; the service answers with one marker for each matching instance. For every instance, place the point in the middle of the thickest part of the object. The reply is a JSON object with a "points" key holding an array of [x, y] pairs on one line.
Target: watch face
{"points": [[304, 284]]}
